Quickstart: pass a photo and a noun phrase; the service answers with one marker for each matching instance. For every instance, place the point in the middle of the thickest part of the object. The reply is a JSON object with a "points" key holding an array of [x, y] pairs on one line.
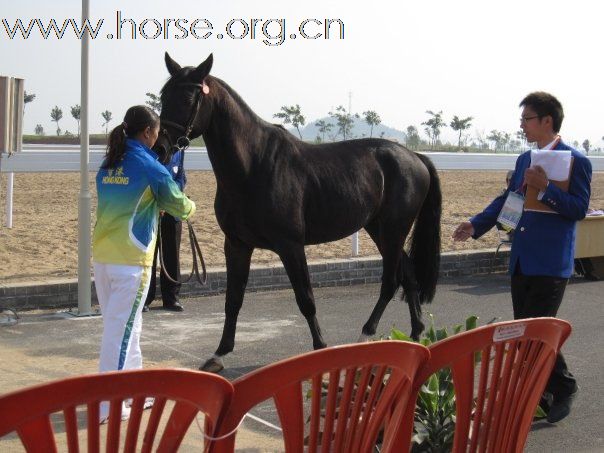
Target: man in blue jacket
{"points": [[171, 232], [541, 259]]}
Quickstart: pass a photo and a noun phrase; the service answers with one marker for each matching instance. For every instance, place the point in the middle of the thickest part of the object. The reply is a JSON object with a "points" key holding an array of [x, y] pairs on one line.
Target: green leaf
{"points": [[540, 413], [400, 336], [441, 334], [471, 322], [425, 342]]}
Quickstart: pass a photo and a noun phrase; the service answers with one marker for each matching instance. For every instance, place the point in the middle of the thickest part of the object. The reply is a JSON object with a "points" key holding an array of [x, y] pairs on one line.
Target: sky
{"points": [[399, 58]]}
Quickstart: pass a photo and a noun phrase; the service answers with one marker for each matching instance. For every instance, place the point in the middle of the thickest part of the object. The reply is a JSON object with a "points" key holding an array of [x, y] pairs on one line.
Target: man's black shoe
{"points": [[174, 307], [546, 402], [145, 308], [560, 408]]}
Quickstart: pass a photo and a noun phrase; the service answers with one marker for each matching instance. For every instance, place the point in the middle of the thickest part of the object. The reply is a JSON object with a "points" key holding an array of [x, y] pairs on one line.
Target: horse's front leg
{"points": [[294, 261], [238, 258]]}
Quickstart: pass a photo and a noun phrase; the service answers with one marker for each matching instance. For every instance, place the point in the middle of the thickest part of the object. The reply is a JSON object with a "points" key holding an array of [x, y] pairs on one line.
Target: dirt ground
{"points": [[42, 245]]}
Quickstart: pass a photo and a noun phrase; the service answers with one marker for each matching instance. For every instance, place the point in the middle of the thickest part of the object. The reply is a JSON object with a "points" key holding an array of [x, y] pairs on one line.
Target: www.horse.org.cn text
{"points": [[271, 32]]}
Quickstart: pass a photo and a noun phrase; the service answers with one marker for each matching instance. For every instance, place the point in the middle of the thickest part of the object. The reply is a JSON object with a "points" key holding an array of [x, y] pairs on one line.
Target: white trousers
{"points": [[121, 291]]}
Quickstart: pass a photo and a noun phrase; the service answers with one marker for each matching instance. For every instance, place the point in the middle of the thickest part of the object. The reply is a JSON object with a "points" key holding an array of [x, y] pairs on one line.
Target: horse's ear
{"points": [[202, 71], [172, 66]]}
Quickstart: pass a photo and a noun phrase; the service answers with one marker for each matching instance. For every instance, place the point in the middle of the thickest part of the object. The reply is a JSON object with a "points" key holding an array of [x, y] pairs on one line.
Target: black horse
{"points": [[278, 193]]}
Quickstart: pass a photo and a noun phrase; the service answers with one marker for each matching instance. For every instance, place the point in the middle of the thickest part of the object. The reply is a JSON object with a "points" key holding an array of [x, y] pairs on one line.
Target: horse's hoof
{"points": [[363, 338], [213, 365]]}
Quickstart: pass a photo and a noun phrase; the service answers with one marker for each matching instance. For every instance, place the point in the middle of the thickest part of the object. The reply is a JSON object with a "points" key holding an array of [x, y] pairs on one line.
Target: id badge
{"points": [[512, 210]]}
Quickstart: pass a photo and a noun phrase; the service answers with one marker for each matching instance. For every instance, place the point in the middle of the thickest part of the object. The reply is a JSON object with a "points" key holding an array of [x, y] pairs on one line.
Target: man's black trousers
{"points": [[540, 296], [171, 232]]}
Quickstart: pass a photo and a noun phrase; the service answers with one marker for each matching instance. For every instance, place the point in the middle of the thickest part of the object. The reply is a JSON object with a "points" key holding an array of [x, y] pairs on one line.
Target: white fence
{"points": [[63, 158]]}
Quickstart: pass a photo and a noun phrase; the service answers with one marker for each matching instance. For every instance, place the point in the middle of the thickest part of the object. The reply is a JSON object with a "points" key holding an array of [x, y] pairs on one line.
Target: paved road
{"points": [[41, 158], [46, 346]]}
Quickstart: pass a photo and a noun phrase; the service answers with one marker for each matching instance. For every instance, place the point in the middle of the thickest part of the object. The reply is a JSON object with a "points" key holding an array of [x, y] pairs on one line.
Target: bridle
{"points": [[184, 141]]}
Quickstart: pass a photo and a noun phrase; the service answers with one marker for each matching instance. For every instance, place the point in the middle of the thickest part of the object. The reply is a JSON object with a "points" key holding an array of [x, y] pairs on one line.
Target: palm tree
{"points": [[107, 117], [497, 138], [27, 98], [324, 127], [433, 125], [154, 102], [344, 120], [412, 137], [56, 114], [586, 146], [520, 136], [460, 124], [373, 119], [292, 115], [76, 112]]}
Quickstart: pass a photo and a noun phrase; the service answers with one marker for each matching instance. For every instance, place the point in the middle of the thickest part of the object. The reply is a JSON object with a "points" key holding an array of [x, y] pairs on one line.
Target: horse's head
{"points": [[185, 110]]}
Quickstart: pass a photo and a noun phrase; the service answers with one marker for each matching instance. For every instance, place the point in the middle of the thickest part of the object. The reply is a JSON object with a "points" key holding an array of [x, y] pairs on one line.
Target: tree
{"points": [[292, 115], [344, 121], [433, 126], [460, 124], [482, 141], [586, 146], [497, 138], [39, 130], [76, 112], [27, 98], [412, 137], [520, 136], [154, 102], [107, 117], [373, 119], [324, 127], [56, 114]]}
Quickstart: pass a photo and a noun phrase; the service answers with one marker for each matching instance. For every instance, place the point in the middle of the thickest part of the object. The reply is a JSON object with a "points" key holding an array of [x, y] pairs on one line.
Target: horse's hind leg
{"points": [[410, 287], [238, 258], [294, 261], [390, 249]]}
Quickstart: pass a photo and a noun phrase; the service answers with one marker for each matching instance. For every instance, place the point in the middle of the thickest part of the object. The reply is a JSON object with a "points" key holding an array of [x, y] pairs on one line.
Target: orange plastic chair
{"points": [[499, 373], [28, 412], [356, 383]]}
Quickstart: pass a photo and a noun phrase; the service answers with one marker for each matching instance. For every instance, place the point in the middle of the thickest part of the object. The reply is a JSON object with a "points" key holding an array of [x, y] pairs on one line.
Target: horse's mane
{"points": [[182, 77]]}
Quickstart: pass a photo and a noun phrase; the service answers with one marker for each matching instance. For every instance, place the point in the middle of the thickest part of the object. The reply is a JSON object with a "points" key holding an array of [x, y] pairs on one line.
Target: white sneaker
{"points": [[125, 415], [146, 405]]}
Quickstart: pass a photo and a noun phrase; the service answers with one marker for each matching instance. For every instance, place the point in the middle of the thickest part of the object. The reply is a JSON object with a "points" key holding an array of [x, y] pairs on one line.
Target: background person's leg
{"points": [[152, 282], [171, 232]]}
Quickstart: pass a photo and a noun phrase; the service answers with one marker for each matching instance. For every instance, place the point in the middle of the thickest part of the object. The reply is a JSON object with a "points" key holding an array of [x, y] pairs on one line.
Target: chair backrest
{"points": [[352, 388], [499, 373], [28, 412]]}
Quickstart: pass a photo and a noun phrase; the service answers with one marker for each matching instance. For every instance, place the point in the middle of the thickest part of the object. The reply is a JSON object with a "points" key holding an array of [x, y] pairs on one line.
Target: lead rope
{"points": [[196, 253], [211, 439]]}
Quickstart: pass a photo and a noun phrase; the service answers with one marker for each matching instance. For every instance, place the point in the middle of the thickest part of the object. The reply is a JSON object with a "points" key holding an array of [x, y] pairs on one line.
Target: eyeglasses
{"points": [[526, 119]]}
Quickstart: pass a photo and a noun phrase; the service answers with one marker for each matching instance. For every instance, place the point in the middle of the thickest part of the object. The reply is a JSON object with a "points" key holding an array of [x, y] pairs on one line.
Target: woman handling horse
{"points": [[132, 186]]}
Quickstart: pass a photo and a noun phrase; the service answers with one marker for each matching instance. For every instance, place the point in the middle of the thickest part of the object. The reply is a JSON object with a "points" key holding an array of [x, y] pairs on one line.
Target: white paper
{"points": [[555, 163]]}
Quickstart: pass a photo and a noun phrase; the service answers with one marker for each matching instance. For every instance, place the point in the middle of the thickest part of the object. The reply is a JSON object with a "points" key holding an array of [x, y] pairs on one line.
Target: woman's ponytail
{"points": [[116, 146], [137, 119]]}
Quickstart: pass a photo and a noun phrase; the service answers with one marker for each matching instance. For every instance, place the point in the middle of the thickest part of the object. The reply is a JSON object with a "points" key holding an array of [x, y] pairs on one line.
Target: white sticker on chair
{"points": [[503, 333]]}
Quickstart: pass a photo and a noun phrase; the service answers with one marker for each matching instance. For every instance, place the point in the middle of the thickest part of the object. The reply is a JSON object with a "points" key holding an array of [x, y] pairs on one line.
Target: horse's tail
{"points": [[425, 243]]}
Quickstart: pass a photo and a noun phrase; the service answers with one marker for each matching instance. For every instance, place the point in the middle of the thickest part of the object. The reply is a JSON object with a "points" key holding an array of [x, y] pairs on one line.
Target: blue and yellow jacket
{"points": [[130, 197]]}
